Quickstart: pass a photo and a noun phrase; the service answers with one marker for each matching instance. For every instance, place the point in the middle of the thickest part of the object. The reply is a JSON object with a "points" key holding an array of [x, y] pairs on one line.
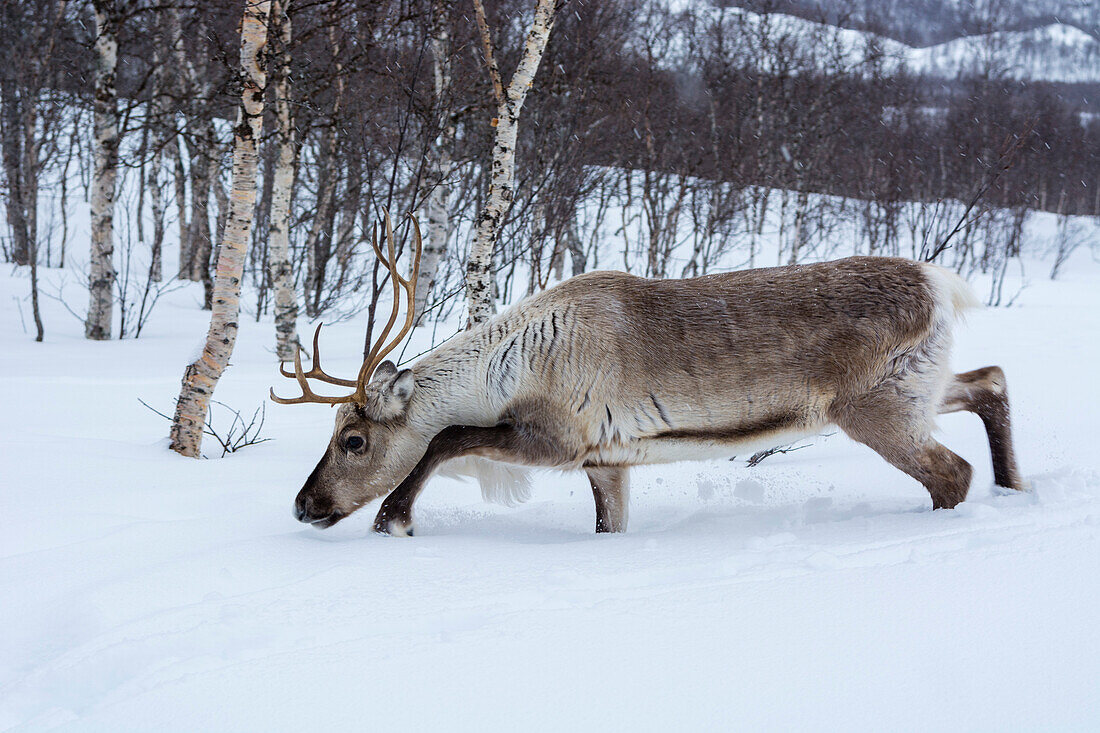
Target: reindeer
{"points": [[607, 370]]}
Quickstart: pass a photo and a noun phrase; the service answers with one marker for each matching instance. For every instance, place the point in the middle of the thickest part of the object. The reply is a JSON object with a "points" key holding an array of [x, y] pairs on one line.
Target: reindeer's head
{"points": [[373, 447]]}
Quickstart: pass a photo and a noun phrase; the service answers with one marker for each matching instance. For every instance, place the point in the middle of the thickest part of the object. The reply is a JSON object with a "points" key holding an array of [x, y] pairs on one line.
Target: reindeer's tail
{"points": [[952, 293]]}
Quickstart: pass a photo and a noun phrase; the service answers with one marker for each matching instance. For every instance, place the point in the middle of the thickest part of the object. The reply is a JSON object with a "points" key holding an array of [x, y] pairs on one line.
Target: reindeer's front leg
{"points": [[501, 442]]}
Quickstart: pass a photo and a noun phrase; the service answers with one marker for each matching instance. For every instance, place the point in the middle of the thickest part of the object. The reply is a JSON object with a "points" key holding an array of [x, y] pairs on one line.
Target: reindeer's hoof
{"points": [[1020, 487], [393, 527]]}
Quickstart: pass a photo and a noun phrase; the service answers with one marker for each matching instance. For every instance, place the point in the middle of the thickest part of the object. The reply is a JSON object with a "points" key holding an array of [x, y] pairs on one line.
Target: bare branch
{"points": [[487, 47]]}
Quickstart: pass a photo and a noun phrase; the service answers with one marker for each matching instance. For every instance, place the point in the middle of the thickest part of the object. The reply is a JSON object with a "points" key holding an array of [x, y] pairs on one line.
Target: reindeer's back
{"points": [[764, 340]]}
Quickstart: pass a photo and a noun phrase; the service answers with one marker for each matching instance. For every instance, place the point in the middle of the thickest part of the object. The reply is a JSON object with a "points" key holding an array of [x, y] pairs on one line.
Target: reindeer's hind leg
{"points": [[611, 490], [898, 428], [984, 392]]}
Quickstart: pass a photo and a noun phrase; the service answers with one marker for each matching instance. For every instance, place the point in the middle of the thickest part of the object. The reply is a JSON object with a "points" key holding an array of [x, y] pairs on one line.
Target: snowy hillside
{"points": [[1054, 53], [928, 22], [145, 591]]}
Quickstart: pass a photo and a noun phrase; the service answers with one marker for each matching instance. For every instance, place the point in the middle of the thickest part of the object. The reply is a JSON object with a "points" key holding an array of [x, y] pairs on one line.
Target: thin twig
{"points": [[1006, 159], [759, 456], [231, 442]]}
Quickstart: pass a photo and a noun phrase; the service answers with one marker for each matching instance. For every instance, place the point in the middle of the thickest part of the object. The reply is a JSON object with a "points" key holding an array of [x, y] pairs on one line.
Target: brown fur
{"points": [[985, 393], [611, 490]]}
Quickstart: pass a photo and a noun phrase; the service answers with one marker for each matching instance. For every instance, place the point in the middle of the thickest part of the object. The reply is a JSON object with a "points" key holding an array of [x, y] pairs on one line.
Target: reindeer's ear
{"points": [[402, 387], [390, 391], [384, 372]]}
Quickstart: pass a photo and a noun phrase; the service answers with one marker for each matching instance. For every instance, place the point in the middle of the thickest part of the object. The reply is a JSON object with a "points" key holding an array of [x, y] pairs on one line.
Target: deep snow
{"points": [[145, 591]]}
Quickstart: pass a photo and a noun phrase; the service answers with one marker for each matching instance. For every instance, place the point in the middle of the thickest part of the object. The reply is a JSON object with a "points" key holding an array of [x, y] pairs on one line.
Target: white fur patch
{"points": [[501, 483], [951, 290], [395, 529]]}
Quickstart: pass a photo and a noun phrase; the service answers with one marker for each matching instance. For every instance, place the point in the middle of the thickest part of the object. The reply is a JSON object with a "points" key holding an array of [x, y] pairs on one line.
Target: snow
{"points": [[147, 591], [1055, 52]]}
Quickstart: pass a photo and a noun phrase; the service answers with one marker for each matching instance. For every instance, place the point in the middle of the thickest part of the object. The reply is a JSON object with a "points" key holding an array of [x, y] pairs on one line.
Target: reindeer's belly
{"points": [[671, 449], [670, 427]]}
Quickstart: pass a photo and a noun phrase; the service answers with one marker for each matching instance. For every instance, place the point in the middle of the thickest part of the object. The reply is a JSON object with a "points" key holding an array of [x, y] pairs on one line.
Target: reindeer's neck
{"points": [[450, 385]]}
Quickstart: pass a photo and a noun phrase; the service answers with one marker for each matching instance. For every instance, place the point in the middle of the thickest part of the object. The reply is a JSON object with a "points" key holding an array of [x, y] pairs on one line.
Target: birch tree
{"points": [[201, 376], [101, 278], [175, 86], [282, 275], [439, 156], [479, 265], [164, 135], [11, 139], [318, 245]]}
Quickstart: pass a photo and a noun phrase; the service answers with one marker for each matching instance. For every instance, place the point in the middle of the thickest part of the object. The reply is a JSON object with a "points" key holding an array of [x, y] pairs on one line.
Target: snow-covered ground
{"points": [[145, 591]]}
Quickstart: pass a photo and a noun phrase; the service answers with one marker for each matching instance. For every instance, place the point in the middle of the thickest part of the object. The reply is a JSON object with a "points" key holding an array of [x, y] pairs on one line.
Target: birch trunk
{"points": [[12, 143], [156, 203], [316, 241], [200, 377], [179, 182], [161, 104], [198, 228], [101, 280], [319, 239], [282, 276], [577, 258], [479, 265], [183, 90], [221, 219], [204, 168], [439, 225], [30, 170], [801, 224], [345, 237]]}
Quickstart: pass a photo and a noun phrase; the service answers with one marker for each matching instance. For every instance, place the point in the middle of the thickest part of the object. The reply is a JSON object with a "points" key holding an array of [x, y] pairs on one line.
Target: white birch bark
{"points": [[173, 148], [101, 277], [161, 104], [479, 265], [318, 241], [221, 199], [282, 276], [200, 377], [179, 182], [204, 169], [11, 140], [30, 148], [196, 87], [156, 204], [439, 166]]}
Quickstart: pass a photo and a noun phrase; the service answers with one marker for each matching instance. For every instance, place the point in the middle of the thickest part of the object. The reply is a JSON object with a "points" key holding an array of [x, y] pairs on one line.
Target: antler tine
{"points": [[308, 395], [315, 371], [409, 286], [389, 261], [381, 348]]}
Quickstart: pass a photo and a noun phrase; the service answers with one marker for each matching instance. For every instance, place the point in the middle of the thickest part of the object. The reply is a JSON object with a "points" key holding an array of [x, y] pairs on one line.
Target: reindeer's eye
{"points": [[354, 443]]}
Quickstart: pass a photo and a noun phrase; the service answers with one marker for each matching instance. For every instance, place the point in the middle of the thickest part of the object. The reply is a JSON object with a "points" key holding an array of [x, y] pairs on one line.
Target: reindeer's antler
{"points": [[380, 348], [378, 352]]}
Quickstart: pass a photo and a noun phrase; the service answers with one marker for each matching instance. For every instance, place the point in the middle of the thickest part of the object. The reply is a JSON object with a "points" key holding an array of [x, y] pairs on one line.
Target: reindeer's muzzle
{"points": [[313, 509], [307, 510]]}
